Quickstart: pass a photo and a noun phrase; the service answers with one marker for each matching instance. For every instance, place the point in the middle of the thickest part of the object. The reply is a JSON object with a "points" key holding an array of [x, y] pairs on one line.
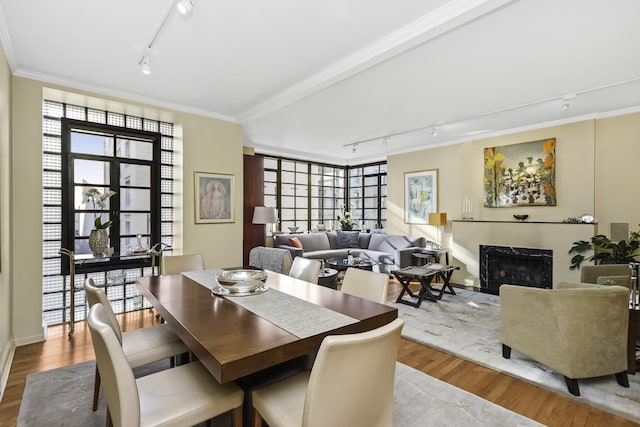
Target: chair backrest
{"points": [[173, 264], [118, 382], [305, 269], [619, 273], [274, 259], [352, 379], [366, 284], [97, 295]]}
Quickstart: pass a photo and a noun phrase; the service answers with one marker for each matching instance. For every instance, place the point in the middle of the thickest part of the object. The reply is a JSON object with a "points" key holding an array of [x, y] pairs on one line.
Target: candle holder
{"points": [[467, 209]]}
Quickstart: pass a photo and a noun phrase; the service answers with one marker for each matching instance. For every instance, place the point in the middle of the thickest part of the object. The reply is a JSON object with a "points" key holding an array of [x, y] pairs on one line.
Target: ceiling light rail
{"points": [[437, 127], [185, 8]]}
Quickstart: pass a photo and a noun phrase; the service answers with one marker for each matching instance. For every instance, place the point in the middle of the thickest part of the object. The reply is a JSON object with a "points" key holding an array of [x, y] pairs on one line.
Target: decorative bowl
{"points": [[293, 229], [521, 217], [241, 281]]}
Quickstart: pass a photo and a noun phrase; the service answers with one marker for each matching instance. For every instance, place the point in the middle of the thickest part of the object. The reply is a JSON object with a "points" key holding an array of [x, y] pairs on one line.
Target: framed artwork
{"points": [[420, 196], [214, 200], [520, 174]]}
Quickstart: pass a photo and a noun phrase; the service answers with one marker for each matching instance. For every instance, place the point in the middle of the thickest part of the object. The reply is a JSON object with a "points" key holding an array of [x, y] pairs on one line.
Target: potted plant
{"points": [[605, 250], [346, 220], [98, 237]]}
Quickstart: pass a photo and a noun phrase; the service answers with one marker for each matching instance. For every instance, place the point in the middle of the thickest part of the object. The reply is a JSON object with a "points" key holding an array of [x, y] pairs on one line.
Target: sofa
{"points": [[391, 252], [577, 329]]}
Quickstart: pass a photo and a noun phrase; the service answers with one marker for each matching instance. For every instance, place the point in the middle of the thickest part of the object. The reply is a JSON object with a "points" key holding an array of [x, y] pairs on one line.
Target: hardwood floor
{"points": [[531, 401]]}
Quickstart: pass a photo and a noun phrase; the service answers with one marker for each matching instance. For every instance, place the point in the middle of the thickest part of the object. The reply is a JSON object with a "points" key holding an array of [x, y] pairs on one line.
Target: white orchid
{"points": [[98, 199]]}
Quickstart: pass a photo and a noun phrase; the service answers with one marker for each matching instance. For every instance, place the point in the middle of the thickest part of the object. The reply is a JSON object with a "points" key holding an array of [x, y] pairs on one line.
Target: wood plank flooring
{"points": [[531, 401]]}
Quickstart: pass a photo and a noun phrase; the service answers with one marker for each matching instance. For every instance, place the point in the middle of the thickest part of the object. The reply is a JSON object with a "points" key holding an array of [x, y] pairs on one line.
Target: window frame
{"points": [[68, 211]]}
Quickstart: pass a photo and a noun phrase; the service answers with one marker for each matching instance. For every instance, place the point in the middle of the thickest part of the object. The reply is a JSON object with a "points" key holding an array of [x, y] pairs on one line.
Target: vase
{"points": [[98, 241], [346, 228]]}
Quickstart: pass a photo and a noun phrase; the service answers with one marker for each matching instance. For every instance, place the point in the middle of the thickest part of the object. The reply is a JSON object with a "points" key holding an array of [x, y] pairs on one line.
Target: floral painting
{"points": [[420, 196], [520, 174]]}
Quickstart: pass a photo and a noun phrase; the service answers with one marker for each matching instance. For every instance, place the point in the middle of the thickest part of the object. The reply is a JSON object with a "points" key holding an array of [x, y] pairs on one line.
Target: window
{"points": [[110, 158], [307, 193], [139, 170]]}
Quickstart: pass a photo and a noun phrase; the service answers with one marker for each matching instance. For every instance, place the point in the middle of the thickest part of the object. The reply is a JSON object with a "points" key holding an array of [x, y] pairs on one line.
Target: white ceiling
{"points": [[307, 78]]}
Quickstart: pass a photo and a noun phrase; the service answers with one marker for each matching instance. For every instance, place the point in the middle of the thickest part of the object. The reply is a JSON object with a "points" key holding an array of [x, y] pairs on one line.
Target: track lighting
{"points": [[146, 68], [185, 7], [385, 141], [353, 150], [435, 130]]}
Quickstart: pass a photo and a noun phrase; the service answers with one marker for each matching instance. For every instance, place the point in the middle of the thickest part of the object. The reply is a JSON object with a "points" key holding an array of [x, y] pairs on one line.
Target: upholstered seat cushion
{"points": [[147, 345], [331, 253]]}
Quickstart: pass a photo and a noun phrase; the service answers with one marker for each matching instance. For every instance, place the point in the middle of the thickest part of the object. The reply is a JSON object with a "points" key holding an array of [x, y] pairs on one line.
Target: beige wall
{"points": [[6, 329], [594, 165], [202, 144]]}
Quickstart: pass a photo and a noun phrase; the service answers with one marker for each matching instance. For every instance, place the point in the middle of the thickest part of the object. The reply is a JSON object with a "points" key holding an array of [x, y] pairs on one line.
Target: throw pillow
{"points": [[347, 239], [295, 242]]}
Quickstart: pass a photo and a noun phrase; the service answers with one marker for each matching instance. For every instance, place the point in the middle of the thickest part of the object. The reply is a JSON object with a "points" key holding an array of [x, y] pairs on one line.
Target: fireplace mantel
{"points": [[525, 222], [467, 236]]}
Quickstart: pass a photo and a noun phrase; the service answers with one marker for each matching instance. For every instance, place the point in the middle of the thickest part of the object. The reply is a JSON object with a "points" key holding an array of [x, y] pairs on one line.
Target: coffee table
{"points": [[342, 263], [425, 275]]}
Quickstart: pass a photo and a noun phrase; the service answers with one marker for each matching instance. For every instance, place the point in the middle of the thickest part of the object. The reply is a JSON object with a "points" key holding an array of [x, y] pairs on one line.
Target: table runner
{"points": [[296, 316]]}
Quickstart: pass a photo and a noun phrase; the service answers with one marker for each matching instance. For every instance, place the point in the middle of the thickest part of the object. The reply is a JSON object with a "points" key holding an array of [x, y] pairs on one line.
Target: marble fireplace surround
{"points": [[467, 236], [518, 266]]}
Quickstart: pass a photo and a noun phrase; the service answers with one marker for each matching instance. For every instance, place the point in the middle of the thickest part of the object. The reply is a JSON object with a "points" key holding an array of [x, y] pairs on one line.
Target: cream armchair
{"points": [[576, 329], [619, 273]]}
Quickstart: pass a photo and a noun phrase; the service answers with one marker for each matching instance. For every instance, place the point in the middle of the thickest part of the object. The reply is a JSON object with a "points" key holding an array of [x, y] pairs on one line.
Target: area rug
{"points": [[63, 397], [467, 325]]}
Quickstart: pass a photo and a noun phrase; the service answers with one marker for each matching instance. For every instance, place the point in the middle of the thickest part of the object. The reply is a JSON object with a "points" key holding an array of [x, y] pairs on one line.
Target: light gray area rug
{"points": [[63, 397], [467, 325]]}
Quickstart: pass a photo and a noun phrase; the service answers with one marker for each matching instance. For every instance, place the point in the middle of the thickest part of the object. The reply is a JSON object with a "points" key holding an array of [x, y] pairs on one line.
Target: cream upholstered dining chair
{"points": [[173, 264], [335, 393], [305, 269], [577, 329], [366, 284], [185, 395], [140, 346]]}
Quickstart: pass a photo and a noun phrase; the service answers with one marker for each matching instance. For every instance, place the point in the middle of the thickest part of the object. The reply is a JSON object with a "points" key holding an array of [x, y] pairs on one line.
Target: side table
{"points": [[328, 278], [425, 276]]}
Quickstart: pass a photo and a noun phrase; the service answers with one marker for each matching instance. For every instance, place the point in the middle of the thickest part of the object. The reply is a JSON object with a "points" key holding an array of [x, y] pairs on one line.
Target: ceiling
{"points": [[309, 79]]}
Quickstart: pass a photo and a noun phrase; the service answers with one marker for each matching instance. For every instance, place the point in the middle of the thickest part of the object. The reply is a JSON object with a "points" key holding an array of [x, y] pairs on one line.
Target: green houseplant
{"points": [[605, 250]]}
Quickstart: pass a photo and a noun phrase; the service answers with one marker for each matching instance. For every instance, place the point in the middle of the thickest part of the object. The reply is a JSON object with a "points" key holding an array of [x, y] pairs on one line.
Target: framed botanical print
{"points": [[420, 196], [214, 198]]}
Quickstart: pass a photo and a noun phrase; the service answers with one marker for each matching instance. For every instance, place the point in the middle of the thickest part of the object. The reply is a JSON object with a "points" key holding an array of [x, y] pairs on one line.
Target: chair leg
{"points": [[236, 417], [506, 351], [622, 379], [109, 420], [96, 389], [257, 418], [572, 385]]}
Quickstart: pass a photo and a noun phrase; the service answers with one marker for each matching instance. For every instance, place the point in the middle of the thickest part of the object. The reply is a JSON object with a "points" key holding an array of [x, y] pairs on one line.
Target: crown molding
{"points": [[5, 38], [123, 95], [447, 17]]}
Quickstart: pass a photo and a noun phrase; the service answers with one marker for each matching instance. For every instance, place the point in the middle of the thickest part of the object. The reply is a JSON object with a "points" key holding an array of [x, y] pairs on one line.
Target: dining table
{"points": [[236, 338]]}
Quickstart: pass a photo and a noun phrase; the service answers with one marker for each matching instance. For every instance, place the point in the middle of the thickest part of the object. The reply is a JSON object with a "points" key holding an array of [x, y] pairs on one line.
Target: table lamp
{"points": [[264, 215], [439, 219]]}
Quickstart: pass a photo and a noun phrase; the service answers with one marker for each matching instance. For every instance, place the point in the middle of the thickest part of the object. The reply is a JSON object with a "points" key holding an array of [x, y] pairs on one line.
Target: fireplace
{"points": [[515, 266]]}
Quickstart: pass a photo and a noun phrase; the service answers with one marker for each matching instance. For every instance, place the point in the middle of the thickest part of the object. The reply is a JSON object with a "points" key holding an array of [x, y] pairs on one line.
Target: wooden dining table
{"points": [[234, 343]]}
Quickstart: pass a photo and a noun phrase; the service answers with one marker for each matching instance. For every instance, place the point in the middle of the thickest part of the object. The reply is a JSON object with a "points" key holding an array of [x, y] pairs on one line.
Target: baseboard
{"points": [[5, 365]]}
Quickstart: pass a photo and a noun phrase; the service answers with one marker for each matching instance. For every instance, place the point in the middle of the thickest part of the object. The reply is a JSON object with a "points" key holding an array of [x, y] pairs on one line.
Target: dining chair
{"points": [[274, 259], [180, 396], [140, 346], [335, 393], [173, 264], [366, 284], [305, 269]]}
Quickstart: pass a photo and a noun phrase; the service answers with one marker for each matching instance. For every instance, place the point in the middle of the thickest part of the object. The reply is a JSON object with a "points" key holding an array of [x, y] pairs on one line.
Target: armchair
{"points": [[619, 273], [576, 329]]}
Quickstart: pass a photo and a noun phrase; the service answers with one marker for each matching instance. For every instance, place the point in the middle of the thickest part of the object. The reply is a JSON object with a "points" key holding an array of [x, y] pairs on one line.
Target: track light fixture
{"points": [[185, 7], [146, 68], [353, 150], [435, 130], [385, 141]]}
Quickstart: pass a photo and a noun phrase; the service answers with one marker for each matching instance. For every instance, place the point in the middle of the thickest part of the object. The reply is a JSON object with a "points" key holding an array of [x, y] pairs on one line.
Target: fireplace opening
{"points": [[515, 266]]}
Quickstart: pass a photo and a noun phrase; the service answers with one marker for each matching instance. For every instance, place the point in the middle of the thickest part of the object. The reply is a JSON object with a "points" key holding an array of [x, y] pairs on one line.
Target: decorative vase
{"points": [[346, 228], [98, 241]]}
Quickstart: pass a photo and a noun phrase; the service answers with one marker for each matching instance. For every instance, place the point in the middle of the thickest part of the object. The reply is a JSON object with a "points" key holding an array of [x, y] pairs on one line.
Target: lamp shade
{"points": [[264, 215], [438, 218]]}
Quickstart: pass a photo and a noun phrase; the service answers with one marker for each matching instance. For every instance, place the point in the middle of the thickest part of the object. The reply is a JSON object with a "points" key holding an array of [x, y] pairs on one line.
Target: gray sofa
{"points": [[391, 252]]}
